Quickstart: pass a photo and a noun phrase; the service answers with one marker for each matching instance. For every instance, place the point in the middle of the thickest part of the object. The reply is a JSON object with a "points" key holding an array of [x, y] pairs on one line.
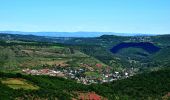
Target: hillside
{"points": [[75, 68], [136, 56], [33, 54], [147, 86], [99, 48], [54, 59]]}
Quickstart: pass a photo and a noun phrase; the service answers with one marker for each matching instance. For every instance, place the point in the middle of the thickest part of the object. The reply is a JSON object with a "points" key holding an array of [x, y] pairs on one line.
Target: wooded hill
{"points": [[147, 86]]}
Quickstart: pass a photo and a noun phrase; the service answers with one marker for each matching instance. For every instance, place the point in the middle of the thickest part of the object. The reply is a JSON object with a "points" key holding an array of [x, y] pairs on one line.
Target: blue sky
{"points": [[130, 16]]}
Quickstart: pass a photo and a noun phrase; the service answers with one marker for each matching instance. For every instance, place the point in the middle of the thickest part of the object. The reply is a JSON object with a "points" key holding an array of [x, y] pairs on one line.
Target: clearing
{"points": [[19, 83]]}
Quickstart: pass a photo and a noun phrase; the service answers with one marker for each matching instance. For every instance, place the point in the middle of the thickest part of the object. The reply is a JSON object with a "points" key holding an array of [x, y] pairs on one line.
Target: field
{"points": [[19, 83], [92, 74]]}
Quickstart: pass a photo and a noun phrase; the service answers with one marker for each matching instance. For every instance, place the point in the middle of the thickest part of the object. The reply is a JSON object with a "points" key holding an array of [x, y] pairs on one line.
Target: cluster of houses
{"points": [[141, 39], [43, 72], [78, 74], [103, 78]]}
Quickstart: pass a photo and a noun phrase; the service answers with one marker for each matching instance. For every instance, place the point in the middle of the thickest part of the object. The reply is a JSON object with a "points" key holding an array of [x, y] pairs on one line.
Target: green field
{"points": [[92, 74], [18, 83]]}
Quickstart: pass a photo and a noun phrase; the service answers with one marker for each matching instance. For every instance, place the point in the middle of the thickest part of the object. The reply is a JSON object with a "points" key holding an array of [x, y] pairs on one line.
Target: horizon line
{"points": [[84, 32]]}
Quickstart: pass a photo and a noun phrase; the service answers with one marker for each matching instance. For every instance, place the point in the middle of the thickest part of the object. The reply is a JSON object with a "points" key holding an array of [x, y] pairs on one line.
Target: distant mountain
{"points": [[75, 34]]}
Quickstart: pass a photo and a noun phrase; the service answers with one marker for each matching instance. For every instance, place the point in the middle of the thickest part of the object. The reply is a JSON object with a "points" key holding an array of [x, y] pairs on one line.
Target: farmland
{"points": [[18, 83]]}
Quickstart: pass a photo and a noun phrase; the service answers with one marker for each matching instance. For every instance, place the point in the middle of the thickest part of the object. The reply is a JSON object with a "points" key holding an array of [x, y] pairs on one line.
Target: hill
{"points": [[130, 57], [99, 48], [36, 67], [147, 86], [54, 59]]}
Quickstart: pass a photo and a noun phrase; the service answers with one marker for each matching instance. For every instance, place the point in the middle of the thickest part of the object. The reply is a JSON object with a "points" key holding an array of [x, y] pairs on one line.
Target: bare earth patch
{"points": [[89, 96]]}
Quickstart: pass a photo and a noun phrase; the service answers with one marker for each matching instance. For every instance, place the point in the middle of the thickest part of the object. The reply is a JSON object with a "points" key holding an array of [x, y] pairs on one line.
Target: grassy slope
{"points": [[18, 83], [15, 56]]}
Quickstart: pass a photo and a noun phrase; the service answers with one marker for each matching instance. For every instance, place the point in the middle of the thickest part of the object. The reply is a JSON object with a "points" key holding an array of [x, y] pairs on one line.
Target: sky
{"points": [[122, 16]]}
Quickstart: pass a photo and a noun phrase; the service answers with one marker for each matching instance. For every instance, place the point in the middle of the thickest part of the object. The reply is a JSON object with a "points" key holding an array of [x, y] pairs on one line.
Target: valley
{"points": [[85, 50], [107, 62]]}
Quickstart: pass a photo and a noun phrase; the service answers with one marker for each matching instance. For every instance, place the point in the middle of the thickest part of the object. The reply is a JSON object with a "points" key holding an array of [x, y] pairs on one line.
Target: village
{"points": [[82, 75]]}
